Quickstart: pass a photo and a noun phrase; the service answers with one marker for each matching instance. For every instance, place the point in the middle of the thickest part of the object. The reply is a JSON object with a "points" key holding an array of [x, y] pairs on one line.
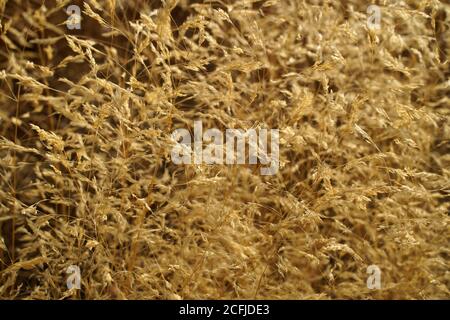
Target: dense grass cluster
{"points": [[86, 176]]}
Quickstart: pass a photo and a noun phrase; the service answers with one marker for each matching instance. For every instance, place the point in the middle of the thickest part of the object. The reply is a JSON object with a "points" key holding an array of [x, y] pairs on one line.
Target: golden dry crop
{"points": [[86, 177]]}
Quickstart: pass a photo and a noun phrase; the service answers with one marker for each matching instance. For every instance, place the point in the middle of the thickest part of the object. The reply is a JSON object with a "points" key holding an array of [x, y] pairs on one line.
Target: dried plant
{"points": [[87, 180]]}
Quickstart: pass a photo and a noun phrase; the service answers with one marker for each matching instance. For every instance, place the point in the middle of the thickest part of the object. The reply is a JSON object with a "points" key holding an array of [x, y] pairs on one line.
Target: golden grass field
{"points": [[86, 177]]}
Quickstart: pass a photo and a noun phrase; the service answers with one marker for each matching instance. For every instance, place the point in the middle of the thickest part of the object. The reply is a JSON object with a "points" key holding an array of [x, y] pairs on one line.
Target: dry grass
{"points": [[85, 170]]}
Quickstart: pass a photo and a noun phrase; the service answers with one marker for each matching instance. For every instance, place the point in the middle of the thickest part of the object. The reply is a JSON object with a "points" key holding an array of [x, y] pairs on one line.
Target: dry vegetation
{"points": [[85, 170]]}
